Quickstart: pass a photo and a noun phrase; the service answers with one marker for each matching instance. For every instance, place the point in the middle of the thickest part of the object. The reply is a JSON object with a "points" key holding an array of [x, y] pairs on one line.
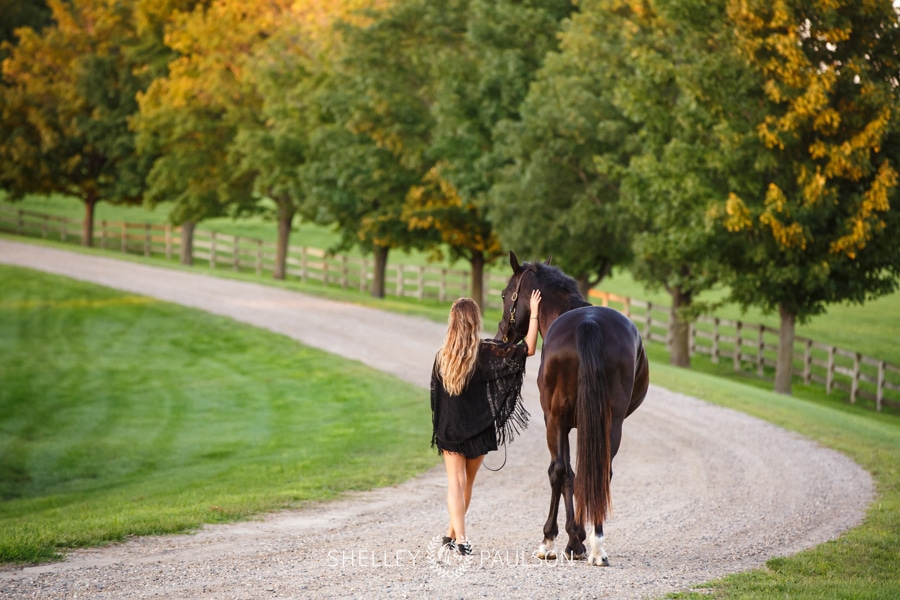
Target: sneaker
{"points": [[464, 548], [449, 543]]}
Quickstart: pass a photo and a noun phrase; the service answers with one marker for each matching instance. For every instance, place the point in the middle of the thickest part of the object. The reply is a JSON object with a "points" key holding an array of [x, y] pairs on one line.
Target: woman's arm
{"points": [[531, 336]]}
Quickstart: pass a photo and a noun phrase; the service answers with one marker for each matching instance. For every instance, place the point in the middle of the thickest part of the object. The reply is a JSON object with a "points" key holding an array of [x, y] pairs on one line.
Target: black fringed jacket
{"points": [[489, 411]]}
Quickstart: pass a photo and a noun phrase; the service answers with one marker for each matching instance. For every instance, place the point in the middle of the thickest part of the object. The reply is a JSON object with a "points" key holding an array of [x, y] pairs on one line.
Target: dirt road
{"points": [[699, 491]]}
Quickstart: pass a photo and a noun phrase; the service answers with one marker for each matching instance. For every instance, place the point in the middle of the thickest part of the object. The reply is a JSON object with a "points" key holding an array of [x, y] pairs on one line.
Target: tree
{"points": [[367, 151], [817, 227], [560, 191], [189, 119], [680, 82], [69, 91], [435, 205]]}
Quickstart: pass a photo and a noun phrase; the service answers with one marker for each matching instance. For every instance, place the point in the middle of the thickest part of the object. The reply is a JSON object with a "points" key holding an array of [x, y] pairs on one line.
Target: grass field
{"points": [[122, 415]]}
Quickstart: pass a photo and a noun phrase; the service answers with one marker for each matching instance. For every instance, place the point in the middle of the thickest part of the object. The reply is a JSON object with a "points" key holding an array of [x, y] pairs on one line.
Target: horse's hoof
{"points": [[573, 556], [600, 562], [545, 553]]}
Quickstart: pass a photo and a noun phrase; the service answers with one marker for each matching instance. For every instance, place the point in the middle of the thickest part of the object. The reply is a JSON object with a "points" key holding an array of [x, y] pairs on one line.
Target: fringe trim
{"points": [[470, 448], [514, 425]]}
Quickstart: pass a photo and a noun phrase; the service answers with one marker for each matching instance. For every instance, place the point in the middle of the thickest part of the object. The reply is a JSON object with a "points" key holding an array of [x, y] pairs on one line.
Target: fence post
{"points": [[103, 235], [146, 239], [400, 280], [854, 386], [715, 341], [259, 259], [807, 362], [691, 339], [168, 241], [363, 275], [738, 341], [304, 264], [63, 234], [626, 307], [829, 377], [420, 293], [124, 236], [325, 270], [879, 396], [212, 250], [20, 222], [442, 287], [760, 346], [648, 332], [343, 271], [44, 226]]}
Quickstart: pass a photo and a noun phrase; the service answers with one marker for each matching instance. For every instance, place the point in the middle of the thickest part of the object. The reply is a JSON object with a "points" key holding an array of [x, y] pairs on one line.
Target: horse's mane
{"points": [[553, 279]]}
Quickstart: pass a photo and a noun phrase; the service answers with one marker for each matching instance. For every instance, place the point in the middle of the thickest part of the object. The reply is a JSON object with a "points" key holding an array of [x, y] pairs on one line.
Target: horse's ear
{"points": [[549, 258], [514, 262]]}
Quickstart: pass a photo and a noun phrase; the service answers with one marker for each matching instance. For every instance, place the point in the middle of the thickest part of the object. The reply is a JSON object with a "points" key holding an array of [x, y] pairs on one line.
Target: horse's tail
{"points": [[593, 421]]}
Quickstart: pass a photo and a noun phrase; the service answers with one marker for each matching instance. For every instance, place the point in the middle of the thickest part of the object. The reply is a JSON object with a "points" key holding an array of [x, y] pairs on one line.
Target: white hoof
{"points": [[598, 554], [545, 552]]}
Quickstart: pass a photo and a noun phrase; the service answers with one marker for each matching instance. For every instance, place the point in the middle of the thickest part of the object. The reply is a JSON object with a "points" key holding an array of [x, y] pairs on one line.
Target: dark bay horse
{"points": [[593, 374]]}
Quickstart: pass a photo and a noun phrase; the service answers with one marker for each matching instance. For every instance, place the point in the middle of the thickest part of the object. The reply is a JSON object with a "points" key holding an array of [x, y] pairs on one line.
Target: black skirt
{"points": [[489, 411]]}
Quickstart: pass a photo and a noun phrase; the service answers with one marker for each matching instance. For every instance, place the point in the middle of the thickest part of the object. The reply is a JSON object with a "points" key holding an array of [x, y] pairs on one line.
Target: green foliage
{"points": [[68, 93], [559, 193], [103, 439], [812, 224], [33, 14]]}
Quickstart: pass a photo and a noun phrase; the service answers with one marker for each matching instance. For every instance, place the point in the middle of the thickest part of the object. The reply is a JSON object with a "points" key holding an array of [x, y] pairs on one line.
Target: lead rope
{"points": [[501, 466]]}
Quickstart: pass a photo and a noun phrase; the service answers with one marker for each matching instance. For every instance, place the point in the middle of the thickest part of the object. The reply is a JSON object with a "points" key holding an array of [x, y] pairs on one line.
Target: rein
{"points": [[501, 466]]}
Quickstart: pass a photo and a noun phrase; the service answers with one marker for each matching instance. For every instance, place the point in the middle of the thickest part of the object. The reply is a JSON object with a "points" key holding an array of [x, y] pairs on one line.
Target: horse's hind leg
{"points": [[575, 548], [557, 475], [598, 554]]}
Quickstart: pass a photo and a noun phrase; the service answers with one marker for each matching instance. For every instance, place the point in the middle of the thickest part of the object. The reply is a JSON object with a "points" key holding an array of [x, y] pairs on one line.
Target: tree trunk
{"points": [[477, 262], [87, 227], [680, 348], [381, 255], [187, 243], [785, 352], [584, 285], [286, 213]]}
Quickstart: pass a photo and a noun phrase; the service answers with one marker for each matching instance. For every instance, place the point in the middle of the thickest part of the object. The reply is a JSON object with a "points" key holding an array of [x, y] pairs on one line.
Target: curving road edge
{"points": [[699, 491]]}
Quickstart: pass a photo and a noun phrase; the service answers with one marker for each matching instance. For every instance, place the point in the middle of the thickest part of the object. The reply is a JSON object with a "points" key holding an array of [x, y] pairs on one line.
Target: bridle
{"points": [[512, 309]]}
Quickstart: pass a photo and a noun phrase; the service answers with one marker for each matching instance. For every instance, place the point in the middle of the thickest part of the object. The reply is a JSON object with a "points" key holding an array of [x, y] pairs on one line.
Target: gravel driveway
{"points": [[699, 491]]}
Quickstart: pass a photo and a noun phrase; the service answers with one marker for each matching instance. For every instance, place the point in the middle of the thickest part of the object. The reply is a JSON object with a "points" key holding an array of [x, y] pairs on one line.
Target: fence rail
{"points": [[752, 347], [258, 256], [749, 347]]}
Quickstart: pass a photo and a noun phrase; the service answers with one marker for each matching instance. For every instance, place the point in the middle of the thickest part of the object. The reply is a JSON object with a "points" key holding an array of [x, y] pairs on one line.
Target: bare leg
{"points": [[461, 472]]}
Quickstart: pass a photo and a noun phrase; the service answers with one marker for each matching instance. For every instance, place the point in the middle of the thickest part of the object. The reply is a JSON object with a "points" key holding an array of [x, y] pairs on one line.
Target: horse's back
{"points": [[622, 351]]}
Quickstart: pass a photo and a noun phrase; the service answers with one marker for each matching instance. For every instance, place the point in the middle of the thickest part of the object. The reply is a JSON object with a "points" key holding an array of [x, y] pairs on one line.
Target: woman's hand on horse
{"points": [[535, 302]]}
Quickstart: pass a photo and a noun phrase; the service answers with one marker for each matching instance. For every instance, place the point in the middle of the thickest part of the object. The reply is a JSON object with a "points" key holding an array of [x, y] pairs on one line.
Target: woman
{"points": [[476, 403]]}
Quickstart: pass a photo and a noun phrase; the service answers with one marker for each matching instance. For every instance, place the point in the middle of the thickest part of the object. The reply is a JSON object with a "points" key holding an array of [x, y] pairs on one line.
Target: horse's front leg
{"points": [[575, 548]]}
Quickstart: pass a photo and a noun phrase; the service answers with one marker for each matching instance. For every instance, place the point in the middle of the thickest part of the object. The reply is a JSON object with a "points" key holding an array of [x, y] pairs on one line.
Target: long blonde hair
{"points": [[459, 350]]}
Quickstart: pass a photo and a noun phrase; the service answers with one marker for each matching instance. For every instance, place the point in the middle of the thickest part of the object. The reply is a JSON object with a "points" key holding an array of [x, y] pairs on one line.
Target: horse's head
{"points": [[516, 301]]}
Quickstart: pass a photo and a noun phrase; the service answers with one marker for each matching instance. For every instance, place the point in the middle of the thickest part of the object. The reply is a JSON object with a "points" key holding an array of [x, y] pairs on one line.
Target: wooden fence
{"points": [[749, 347], [257, 256], [754, 348]]}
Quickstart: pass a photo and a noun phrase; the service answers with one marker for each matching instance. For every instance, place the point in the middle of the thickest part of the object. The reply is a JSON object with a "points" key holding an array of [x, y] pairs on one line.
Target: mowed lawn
{"points": [[122, 415]]}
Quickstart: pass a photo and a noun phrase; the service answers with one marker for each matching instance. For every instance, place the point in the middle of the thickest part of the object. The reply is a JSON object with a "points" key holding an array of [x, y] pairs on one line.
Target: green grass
{"points": [[121, 415], [863, 563]]}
